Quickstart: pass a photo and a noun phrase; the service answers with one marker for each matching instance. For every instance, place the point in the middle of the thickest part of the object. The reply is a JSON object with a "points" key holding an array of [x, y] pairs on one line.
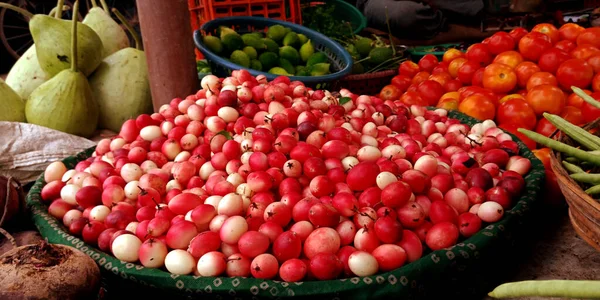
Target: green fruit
{"points": [[319, 69], [288, 30], [255, 65], [358, 68], [290, 53], [271, 45], [252, 41], [225, 30], [317, 57], [213, 43], [241, 58], [232, 41], [279, 71], [26, 74], [303, 72], [291, 39], [13, 107], [251, 52], [352, 51], [379, 55], [303, 39], [287, 65], [205, 70], [268, 60], [110, 32], [306, 51], [363, 46], [300, 69], [256, 34], [276, 33]]}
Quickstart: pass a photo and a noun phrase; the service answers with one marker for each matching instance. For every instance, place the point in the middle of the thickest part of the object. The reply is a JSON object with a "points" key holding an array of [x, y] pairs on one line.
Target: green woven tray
{"points": [[467, 270]]}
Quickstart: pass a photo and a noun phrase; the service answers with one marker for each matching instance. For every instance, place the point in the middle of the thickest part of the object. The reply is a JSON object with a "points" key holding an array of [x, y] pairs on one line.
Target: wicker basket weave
{"points": [[584, 211]]}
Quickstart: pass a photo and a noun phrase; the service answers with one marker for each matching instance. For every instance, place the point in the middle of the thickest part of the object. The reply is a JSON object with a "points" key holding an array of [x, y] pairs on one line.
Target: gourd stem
{"points": [[94, 4], [17, 9], [53, 11], [74, 38], [106, 8], [59, 9], [136, 37]]}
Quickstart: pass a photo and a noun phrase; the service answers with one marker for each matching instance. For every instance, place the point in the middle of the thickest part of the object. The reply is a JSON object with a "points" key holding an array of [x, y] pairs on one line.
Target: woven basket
{"points": [[366, 84], [584, 211]]}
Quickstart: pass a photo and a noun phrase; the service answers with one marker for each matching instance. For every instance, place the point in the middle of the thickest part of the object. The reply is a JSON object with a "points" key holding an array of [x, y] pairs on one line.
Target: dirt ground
{"points": [[559, 254]]}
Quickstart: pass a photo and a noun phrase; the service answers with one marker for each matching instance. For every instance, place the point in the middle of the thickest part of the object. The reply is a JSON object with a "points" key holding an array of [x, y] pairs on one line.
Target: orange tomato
{"points": [[540, 78], [452, 54], [412, 98], [441, 78], [549, 30], [576, 101], [589, 36], [509, 58], [524, 71], [454, 65], [596, 83], [390, 92], [572, 114], [420, 77], [510, 97], [453, 95], [546, 98], [594, 61], [570, 31], [585, 51], [478, 106], [499, 78], [516, 111], [543, 155], [448, 104]]}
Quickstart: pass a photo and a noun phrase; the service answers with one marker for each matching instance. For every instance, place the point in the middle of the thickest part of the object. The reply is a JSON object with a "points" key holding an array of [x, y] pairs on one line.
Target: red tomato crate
{"points": [[202, 11]]}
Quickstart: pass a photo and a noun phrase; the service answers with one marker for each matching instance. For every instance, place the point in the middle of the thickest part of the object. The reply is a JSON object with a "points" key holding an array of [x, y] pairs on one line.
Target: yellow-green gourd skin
{"points": [[112, 35], [26, 74], [12, 107], [64, 103], [121, 87], [52, 39]]}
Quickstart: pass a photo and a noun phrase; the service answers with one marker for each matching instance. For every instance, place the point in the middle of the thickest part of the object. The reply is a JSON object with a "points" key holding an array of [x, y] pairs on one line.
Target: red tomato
{"points": [[454, 65], [551, 59], [442, 78], [477, 79], [596, 83], [570, 31], [420, 77], [451, 54], [467, 91], [478, 106], [402, 82], [430, 91], [546, 98], [524, 71], [412, 98], [549, 30], [499, 78], [412, 88], [428, 62], [541, 78], [565, 45], [408, 68], [533, 44], [589, 112], [509, 58], [589, 36], [480, 54], [513, 129], [452, 85], [572, 114], [552, 194], [522, 93], [544, 127], [594, 62], [390, 92], [442, 67], [516, 111], [574, 72], [466, 71], [500, 42], [518, 33], [585, 51], [576, 101]]}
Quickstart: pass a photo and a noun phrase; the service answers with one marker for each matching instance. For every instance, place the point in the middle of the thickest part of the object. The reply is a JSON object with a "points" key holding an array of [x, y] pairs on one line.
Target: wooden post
{"points": [[169, 46]]}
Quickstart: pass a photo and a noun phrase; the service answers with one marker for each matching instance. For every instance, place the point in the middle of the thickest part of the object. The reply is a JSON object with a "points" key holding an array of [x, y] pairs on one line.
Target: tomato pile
{"points": [[512, 78], [277, 181]]}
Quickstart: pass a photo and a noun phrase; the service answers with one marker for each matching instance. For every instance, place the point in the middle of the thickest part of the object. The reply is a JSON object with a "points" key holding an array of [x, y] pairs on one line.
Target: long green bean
{"points": [[593, 190], [577, 133], [586, 178], [561, 147], [587, 98], [571, 167], [585, 289]]}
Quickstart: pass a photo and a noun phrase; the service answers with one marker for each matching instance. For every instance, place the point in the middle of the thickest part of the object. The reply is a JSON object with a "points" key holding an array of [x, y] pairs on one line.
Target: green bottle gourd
{"points": [[121, 85], [13, 106], [112, 35], [27, 74], [65, 102]]}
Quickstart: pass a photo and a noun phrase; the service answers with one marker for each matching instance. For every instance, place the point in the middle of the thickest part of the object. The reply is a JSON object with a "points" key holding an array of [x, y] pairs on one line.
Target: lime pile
{"points": [[371, 55], [278, 51]]}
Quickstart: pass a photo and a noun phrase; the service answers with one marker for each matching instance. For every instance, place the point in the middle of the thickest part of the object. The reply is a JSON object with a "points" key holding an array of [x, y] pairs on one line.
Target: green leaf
{"points": [[224, 133], [345, 100]]}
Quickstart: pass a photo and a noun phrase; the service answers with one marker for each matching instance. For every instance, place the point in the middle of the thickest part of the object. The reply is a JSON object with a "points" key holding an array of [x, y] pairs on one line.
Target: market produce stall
{"points": [[269, 176]]}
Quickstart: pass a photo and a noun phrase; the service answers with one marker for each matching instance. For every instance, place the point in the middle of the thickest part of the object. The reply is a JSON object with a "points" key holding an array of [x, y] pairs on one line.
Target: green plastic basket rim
{"points": [[397, 282]]}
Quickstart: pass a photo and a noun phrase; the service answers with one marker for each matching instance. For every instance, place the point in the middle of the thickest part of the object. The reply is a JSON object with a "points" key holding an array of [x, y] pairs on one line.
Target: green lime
{"points": [[300, 69], [232, 41], [352, 50], [306, 51], [240, 57], [276, 33], [213, 43], [279, 71], [255, 65], [303, 39], [290, 53], [317, 57], [287, 65], [291, 39], [364, 46], [358, 68], [251, 52], [271, 45], [319, 69], [252, 41], [379, 55], [268, 60]]}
